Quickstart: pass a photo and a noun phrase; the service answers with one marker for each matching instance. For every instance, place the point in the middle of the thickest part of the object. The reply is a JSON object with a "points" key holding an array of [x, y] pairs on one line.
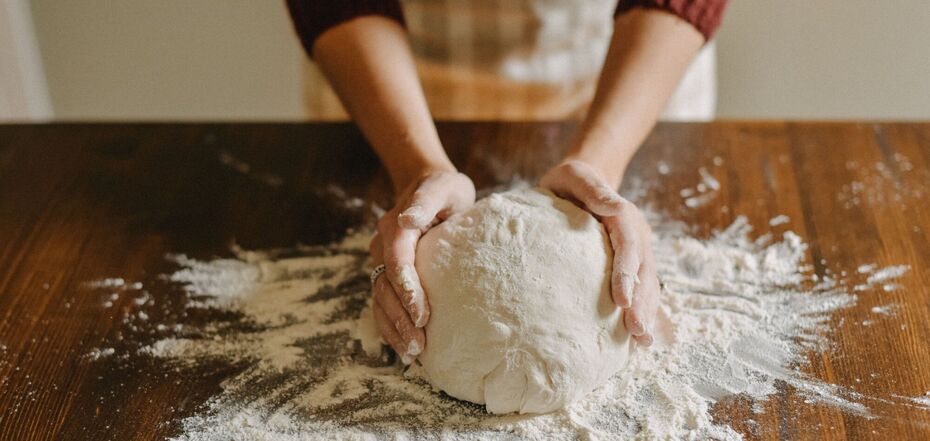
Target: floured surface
{"points": [[741, 317]]}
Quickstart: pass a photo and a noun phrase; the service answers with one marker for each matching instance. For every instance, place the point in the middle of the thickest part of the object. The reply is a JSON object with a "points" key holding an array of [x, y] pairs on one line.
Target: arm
{"points": [[649, 53], [370, 65]]}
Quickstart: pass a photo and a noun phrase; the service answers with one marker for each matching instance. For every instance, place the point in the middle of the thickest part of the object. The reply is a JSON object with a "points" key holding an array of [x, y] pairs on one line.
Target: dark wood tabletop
{"points": [[82, 202]]}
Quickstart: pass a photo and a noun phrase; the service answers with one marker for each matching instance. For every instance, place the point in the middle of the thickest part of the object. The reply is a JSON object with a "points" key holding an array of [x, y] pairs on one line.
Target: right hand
{"points": [[634, 285], [401, 309]]}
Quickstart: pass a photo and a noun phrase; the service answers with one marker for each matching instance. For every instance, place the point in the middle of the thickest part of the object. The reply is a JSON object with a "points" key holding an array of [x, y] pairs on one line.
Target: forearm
{"points": [[370, 65], [649, 53]]}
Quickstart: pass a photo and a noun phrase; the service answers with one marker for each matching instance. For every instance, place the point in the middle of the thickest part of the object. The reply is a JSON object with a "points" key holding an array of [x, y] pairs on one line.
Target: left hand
{"points": [[633, 283]]}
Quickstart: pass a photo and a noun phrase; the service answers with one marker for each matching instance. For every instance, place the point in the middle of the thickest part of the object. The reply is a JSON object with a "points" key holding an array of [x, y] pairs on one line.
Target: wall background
{"points": [[238, 59], [169, 59], [825, 59]]}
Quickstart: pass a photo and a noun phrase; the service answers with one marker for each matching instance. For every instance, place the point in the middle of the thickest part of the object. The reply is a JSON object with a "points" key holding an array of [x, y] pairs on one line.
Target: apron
{"points": [[516, 60]]}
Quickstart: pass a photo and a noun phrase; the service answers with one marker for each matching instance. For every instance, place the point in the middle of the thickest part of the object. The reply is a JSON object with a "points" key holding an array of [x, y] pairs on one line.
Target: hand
{"points": [[401, 308], [633, 283]]}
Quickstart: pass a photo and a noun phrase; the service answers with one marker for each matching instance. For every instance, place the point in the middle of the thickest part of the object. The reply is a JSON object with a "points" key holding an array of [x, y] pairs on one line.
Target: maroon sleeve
{"points": [[313, 17], [704, 15]]}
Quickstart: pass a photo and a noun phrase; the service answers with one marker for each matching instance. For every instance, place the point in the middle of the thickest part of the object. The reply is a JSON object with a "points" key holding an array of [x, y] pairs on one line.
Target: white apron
{"points": [[516, 60]]}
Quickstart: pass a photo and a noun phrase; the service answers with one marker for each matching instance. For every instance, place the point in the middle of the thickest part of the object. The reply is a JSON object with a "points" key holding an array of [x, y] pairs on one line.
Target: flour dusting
{"points": [[702, 193], [739, 317]]}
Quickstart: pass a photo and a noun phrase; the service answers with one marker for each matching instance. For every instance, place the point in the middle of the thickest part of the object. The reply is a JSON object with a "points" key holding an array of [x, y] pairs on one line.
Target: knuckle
{"points": [[573, 167], [461, 178], [626, 206]]}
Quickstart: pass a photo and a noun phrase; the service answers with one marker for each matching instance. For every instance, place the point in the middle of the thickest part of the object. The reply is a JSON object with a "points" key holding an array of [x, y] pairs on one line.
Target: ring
{"points": [[375, 273]]}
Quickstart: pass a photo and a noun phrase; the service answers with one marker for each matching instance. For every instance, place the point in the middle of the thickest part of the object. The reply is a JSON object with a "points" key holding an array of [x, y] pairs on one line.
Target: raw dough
{"points": [[521, 315]]}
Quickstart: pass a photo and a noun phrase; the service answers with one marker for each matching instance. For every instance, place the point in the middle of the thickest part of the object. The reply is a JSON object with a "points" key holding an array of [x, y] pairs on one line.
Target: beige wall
{"points": [[169, 59], [825, 59], [23, 92], [235, 59]]}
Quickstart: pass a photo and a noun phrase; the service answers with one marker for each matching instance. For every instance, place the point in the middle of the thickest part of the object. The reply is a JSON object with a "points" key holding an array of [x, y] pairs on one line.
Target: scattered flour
{"points": [[885, 309], [243, 168], [779, 220], [739, 317], [895, 181], [885, 274], [112, 282], [922, 401], [704, 192], [663, 168], [99, 353]]}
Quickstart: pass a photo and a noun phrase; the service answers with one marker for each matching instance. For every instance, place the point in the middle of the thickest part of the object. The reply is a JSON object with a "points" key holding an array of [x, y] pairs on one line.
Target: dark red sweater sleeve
{"points": [[704, 15], [313, 17]]}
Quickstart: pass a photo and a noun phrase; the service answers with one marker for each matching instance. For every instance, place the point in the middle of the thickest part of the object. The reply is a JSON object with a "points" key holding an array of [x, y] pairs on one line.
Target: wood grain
{"points": [[82, 202]]}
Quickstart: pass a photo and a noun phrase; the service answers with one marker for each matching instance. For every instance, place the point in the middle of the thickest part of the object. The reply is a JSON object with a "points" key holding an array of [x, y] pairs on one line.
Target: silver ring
{"points": [[375, 273]]}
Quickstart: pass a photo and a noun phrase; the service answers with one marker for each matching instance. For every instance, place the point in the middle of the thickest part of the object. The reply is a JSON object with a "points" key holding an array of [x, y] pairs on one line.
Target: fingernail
{"points": [[413, 348], [406, 359], [421, 320], [646, 340]]}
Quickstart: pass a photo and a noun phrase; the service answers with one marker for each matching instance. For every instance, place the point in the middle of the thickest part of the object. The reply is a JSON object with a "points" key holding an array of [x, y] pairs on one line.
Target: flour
{"points": [[895, 182], [98, 353], [111, 282], [779, 220], [885, 274], [740, 317], [663, 168], [233, 163], [705, 191]]}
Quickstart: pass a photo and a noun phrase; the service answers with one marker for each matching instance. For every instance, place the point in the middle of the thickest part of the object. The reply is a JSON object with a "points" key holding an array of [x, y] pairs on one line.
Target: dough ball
{"points": [[521, 314]]}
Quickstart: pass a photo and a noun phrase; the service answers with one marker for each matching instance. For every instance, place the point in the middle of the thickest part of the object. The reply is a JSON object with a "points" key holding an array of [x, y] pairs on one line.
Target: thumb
{"points": [[435, 195]]}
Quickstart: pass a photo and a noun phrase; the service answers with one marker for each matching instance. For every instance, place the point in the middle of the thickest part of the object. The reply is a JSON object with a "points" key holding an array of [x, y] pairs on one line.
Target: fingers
{"points": [[411, 339], [625, 241], [393, 319], [640, 318], [393, 337], [435, 198], [401, 308], [399, 257]]}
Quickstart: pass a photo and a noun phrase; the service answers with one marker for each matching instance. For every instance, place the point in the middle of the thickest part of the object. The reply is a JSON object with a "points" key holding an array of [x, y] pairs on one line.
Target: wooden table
{"points": [[84, 202]]}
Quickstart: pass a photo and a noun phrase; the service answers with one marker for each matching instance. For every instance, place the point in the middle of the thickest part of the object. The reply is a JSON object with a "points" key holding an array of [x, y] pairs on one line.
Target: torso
{"points": [[514, 60]]}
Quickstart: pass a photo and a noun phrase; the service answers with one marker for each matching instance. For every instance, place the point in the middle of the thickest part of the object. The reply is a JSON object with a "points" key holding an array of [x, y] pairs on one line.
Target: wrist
{"points": [[609, 164], [413, 170]]}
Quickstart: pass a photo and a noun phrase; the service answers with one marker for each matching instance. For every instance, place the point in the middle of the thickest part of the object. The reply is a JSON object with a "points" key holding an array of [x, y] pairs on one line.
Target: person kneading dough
{"points": [[549, 289], [521, 314]]}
